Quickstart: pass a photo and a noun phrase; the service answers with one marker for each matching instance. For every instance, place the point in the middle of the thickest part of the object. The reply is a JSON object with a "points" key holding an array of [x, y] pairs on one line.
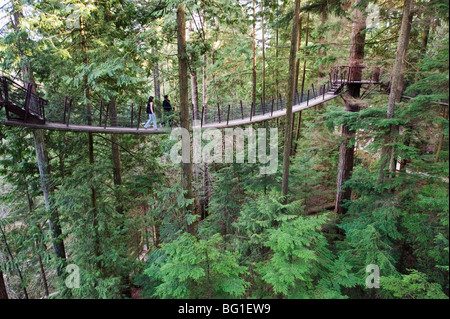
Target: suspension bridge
{"points": [[24, 108]]}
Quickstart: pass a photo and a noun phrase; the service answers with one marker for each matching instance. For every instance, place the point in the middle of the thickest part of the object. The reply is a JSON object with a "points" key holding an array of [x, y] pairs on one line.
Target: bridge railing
{"points": [[356, 74], [238, 109], [75, 112], [14, 94]]}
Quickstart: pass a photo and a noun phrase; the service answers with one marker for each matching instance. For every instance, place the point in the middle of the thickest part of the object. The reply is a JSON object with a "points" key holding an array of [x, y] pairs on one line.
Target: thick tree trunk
{"points": [[346, 150], [290, 101], [41, 155], [388, 152], [55, 228], [184, 104], [395, 129]]}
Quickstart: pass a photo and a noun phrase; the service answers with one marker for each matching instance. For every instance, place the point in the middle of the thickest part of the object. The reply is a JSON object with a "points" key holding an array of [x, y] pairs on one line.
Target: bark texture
{"points": [[290, 101]]}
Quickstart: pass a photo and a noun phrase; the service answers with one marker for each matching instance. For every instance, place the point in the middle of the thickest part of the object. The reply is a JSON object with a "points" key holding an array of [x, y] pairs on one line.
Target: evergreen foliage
{"points": [[128, 235]]}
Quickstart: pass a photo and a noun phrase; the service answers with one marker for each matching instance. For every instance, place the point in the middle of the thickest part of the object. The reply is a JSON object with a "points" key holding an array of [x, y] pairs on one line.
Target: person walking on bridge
{"points": [[167, 110], [151, 114]]}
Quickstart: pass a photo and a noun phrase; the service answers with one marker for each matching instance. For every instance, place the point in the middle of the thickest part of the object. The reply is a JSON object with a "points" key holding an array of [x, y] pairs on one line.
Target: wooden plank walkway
{"points": [[86, 128], [129, 130], [260, 118]]}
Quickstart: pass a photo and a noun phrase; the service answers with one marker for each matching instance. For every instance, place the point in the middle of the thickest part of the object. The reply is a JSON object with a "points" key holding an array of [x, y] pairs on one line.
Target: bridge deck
{"points": [[85, 128], [26, 109], [260, 118], [129, 130]]}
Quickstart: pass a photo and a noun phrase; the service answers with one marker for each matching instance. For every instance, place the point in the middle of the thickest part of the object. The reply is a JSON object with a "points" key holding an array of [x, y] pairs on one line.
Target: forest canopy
{"points": [[357, 204]]}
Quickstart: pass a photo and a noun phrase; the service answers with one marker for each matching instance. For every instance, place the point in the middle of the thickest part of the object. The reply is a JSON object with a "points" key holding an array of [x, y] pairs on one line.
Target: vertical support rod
{"points": [[106, 115], [251, 111], [242, 109], [218, 111], [6, 93], [203, 112], [65, 109], [132, 106], [101, 110], [139, 118], [27, 101], [42, 110], [262, 105], [307, 99], [271, 111], [228, 116], [68, 112]]}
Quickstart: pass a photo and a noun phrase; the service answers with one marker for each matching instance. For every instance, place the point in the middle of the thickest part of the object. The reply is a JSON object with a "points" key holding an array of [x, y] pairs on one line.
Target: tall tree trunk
{"points": [[205, 85], [277, 91], [19, 273], [322, 53], [3, 291], [425, 36], [441, 138], [297, 63], [85, 77], [96, 237], [38, 245], [387, 152], [55, 228], [204, 74], [346, 150], [205, 204], [194, 94], [117, 166], [263, 57], [254, 56], [290, 101], [398, 98], [297, 76], [156, 78], [184, 104], [305, 53], [41, 267], [41, 154]]}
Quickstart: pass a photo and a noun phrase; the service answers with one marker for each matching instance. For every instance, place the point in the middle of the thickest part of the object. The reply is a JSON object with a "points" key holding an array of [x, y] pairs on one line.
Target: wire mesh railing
{"points": [[240, 110], [106, 114], [13, 94]]}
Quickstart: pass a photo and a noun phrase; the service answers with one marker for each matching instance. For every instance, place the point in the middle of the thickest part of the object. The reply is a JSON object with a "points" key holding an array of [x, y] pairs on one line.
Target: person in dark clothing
{"points": [[151, 114], [167, 110]]}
